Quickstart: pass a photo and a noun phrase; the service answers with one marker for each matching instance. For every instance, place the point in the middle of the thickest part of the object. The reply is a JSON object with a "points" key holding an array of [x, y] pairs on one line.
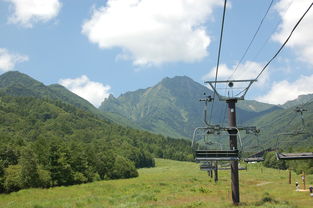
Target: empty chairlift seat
{"points": [[228, 168], [217, 155], [206, 166], [257, 157], [294, 156], [254, 159]]}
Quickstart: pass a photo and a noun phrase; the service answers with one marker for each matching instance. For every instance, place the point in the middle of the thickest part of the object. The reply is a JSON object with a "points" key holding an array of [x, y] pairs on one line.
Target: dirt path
{"points": [[264, 183]]}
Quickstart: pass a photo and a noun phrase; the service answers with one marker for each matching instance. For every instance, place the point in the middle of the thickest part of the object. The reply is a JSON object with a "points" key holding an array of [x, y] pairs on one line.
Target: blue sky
{"points": [[97, 47]]}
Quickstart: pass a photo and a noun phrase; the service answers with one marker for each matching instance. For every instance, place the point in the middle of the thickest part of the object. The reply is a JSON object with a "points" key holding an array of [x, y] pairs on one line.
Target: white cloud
{"points": [[248, 70], [152, 32], [284, 91], [290, 12], [9, 60], [94, 92], [28, 12]]}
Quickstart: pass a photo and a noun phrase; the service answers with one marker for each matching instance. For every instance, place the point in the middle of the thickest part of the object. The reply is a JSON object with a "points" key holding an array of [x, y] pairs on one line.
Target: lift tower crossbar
{"points": [[239, 96]]}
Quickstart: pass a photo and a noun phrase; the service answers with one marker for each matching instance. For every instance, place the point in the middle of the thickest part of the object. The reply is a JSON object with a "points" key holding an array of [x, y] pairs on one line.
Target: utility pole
{"points": [[233, 146]]}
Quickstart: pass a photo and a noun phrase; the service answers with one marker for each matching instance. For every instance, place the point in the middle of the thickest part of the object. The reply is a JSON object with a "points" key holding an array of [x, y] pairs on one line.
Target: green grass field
{"points": [[171, 184]]}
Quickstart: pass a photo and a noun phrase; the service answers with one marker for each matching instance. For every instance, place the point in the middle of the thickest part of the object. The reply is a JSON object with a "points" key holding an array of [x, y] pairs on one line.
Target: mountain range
{"points": [[172, 108]]}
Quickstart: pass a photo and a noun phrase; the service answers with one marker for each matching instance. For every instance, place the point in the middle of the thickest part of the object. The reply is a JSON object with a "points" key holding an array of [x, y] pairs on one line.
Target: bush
{"points": [[79, 178], [12, 178], [123, 168]]}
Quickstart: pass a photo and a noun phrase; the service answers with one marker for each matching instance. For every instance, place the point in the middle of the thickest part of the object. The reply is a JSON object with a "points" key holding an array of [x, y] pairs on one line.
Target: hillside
{"points": [[172, 107], [302, 99], [47, 143], [283, 121], [15, 83], [171, 184]]}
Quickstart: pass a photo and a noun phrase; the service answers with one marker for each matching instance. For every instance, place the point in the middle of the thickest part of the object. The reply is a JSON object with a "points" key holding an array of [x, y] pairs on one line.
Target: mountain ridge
{"points": [[300, 100], [15, 83], [172, 107]]}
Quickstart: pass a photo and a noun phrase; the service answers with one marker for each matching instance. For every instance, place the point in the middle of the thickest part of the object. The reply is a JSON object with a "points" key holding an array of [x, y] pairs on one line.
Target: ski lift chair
{"points": [[217, 155], [207, 166], [228, 168], [294, 156], [259, 156], [214, 155]]}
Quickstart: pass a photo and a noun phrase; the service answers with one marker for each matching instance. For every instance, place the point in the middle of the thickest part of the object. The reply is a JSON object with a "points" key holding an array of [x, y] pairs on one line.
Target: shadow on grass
{"points": [[268, 201]]}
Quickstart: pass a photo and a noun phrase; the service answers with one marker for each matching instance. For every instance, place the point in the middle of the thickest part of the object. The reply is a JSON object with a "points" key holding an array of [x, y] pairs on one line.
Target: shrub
{"points": [[123, 168], [79, 178], [12, 178]]}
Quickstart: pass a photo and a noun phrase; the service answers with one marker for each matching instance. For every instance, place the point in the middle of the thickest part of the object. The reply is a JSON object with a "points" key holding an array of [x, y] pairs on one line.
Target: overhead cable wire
{"points": [[275, 120], [218, 57], [269, 37], [279, 50], [293, 118], [254, 36]]}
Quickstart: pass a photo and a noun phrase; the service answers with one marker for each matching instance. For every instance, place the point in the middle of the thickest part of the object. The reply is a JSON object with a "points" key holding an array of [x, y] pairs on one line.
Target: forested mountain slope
{"points": [[284, 121], [18, 84], [47, 143]]}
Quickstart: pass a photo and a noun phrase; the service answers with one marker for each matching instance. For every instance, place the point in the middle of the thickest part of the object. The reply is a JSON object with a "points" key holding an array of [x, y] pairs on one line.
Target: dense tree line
{"points": [[46, 143]]}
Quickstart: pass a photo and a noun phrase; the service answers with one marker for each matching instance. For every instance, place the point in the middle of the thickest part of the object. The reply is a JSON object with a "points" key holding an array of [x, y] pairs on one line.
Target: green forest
{"points": [[45, 143]]}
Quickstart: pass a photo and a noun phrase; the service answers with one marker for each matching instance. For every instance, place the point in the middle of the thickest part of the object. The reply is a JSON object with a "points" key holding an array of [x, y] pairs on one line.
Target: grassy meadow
{"points": [[171, 184]]}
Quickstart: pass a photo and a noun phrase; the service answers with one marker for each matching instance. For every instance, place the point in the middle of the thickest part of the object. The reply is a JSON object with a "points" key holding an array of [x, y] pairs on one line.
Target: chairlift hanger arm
{"points": [[247, 88], [206, 100], [194, 134]]}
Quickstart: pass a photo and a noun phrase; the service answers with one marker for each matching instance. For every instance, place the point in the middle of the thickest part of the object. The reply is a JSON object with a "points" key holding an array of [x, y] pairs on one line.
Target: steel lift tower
{"points": [[231, 100]]}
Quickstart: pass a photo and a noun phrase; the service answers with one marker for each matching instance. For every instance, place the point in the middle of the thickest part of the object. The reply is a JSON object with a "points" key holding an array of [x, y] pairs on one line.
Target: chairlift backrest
{"points": [[217, 155]]}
